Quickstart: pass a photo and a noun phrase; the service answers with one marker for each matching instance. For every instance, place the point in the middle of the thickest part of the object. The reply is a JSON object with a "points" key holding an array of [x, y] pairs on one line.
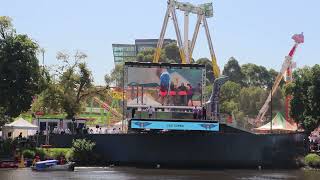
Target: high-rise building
{"points": [[128, 52], [124, 52]]}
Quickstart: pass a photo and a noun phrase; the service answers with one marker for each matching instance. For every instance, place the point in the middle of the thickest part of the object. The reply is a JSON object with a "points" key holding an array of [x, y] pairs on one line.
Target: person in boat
{"points": [[189, 94], [36, 159], [182, 93], [62, 160]]}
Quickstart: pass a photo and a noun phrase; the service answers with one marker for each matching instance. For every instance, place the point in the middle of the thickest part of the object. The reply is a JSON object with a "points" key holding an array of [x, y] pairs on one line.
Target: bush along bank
{"points": [[312, 161], [83, 153]]}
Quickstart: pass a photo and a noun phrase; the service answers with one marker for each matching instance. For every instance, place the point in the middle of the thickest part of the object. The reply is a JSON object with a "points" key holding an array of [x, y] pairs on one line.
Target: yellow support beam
{"points": [[156, 56], [182, 56], [215, 67]]}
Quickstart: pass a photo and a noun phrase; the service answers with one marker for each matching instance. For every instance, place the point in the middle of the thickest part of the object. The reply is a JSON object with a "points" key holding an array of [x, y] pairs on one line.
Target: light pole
{"points": [[271, 111], [42, 50]]}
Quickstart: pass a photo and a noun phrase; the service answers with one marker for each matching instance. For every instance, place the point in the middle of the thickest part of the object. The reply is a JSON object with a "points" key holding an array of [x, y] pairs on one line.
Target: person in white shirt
{"points": [[150, 111]]}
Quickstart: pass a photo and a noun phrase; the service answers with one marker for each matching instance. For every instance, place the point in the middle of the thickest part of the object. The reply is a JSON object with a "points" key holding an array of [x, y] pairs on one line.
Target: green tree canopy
{"points": [[69, 90], [19, 71], [209, 72], [169, 54], [305, 105], [256, 75], [233, 71]]}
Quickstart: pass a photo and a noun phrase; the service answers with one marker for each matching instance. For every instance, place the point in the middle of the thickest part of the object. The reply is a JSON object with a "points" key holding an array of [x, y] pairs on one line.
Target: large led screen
{"points": [[158, 85]]}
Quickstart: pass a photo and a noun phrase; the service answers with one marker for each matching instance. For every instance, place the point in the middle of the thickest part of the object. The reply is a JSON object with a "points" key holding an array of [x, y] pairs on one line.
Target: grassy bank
{"points": [[312, 160]]}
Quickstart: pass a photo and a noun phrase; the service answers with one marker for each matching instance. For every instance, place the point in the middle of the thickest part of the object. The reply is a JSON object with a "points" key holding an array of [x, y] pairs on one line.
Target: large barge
{"points": [[229, 148], [170, 137]]}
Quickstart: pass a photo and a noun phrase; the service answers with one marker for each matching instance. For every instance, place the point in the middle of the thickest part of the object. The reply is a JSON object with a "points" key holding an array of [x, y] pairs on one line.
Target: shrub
{"points": [[28, 153], [41, 153], [312, 160], [56, 153], [69, 156], [82, 150], [7, 147]]}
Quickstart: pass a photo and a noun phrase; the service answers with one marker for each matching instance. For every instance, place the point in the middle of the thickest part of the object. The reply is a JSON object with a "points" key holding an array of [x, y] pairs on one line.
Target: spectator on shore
{"points": [[199, 113], [133, 112], [20, 135], [195, 112], [204, 113], [150, 111]]}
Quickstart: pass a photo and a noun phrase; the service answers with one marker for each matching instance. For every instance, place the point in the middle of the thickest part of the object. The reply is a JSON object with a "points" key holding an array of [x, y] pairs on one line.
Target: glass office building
{"points": [[124, 52], [128, 52]]}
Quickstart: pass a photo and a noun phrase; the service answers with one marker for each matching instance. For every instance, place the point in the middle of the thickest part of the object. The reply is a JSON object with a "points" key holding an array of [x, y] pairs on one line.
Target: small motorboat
{"points": [[52, 165]]}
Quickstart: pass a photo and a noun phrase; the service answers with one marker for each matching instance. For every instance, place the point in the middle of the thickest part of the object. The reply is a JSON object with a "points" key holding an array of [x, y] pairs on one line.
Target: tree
{"points": [[69, 91], [209, 71], [19, 71], [230, 91], [305, 105], [233, 71], [169, 54], [117, 75], [147, 55], [251, 100], [172, 53], [255, 75], [75, 81]]}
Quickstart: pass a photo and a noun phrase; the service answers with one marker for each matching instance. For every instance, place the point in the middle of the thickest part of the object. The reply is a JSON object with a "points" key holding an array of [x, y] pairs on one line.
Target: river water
{"points": [[121, 173]]}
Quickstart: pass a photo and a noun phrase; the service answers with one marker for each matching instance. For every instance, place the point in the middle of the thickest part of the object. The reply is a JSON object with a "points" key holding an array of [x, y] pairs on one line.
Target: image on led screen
{"points": [[164, 86]]}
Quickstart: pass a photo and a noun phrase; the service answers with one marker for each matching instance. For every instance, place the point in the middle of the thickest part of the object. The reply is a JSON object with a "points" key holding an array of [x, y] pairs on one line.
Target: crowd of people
{"points": [[87, 130], [199, 113]]}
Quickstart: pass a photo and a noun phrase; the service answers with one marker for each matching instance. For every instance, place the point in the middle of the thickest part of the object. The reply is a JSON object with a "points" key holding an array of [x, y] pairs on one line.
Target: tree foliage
{"points": [[82, 150], [169, 54], [19, 71], [233, 71], [256, 75], [209, 71], [305, 105], [72, 86]]}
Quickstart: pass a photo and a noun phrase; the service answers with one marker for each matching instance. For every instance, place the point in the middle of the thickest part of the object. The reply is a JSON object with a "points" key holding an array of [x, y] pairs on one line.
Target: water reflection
{"points": [[157, 174]]}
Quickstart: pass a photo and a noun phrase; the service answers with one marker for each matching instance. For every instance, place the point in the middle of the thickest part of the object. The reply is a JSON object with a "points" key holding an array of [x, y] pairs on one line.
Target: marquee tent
{"points": [[20, 125], [279, 124]]}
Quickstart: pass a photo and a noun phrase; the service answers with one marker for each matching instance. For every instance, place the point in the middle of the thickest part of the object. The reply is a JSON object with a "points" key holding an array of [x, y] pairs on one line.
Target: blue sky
{"points": [[252, 31]]}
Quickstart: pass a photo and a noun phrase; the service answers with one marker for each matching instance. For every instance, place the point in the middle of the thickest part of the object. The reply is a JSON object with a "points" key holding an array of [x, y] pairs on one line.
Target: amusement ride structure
{"points": [[286, 73], [111, 105], [203, 11]]}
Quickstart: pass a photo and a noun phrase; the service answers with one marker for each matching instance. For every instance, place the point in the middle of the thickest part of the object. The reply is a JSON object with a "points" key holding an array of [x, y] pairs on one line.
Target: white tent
{"points": [[18, 126]]}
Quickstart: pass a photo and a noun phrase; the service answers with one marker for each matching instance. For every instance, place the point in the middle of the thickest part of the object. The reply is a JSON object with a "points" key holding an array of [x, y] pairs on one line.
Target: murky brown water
{"points": [[157, 174]]}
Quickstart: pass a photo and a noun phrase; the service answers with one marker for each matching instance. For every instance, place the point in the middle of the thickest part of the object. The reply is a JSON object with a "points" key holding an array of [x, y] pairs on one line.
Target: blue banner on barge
{"points": [[175, 125]]}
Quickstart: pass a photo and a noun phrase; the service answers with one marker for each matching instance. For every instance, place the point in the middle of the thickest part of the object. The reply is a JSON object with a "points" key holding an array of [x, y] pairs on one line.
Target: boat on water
{"points": [[52, 165]]}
